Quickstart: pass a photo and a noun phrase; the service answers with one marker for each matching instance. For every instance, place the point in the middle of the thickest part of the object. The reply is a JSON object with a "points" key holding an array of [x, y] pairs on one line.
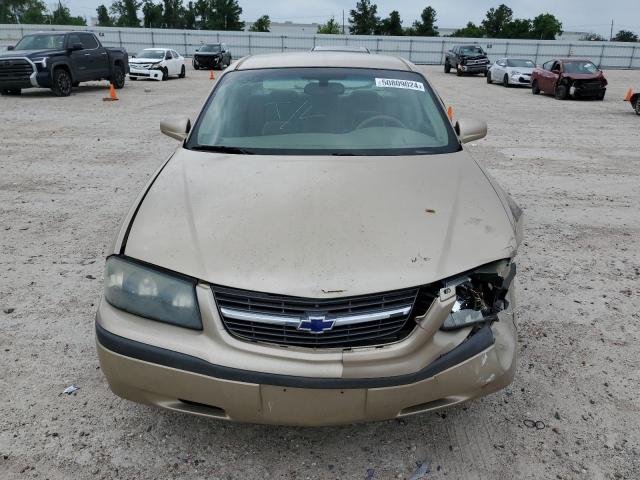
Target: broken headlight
{"points": [[480, 295], [152, 293]]}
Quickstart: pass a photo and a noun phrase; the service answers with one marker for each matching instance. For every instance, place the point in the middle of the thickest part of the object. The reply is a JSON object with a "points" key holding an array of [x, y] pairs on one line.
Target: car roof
{"points": [[156, 48], [323, 59], [573, 59]]}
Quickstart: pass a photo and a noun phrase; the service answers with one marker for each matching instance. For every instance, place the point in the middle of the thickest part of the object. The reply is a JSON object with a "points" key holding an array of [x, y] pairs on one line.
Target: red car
{"points": [[565, 77]]}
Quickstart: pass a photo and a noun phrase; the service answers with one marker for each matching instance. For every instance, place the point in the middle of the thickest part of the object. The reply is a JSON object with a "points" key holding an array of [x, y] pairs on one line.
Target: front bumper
{"points": [[212, 374], [479, 68], [520, 80], [150, 73], [206, 62]]}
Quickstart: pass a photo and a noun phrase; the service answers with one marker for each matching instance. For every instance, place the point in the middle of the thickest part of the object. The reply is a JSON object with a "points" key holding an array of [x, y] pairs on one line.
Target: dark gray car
{"points": [[212, 55]]}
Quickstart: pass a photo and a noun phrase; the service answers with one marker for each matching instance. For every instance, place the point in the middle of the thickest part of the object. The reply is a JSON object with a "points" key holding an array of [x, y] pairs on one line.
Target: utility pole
{"points": [[611, 34], [343, 21]]}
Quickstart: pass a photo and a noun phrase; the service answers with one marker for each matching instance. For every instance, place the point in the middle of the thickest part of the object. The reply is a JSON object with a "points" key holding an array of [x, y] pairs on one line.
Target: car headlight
{"points": [[155, 66], [41, 63], [480, 295], [151, 293], [515, 72]]}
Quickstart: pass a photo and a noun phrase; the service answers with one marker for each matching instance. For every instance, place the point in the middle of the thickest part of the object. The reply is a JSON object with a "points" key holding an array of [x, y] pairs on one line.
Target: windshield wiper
{"points": [[222, 149]]}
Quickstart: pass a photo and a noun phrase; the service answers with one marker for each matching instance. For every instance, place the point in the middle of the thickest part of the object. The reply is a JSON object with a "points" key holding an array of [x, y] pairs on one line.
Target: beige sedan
{"points": [[320, 249]]}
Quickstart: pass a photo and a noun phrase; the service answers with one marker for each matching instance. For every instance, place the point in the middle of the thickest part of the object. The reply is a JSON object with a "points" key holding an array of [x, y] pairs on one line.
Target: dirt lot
{"points": [[70, 168]]}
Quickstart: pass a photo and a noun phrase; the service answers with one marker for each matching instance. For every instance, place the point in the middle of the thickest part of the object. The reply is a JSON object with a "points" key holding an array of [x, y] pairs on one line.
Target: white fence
{"points": [[421, 50]]}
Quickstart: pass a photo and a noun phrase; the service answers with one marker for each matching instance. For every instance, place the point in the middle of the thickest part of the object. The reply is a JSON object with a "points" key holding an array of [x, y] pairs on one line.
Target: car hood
{"points": [[30, 53], [320, 226], [583, 76], [210, 54]]}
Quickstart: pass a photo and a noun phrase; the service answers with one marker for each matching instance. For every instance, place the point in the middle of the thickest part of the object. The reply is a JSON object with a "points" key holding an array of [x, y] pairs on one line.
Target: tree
{"points": [[593, 37], [190, 16], [263, 24], [151, 15], [62, 16], [470, 31], [518, 28], [392, 25], [172, 14], [546, 27], [125, 13], [104, 20], [331, 27], [625, 36], [363, 20], [23, 11], [496, 20], [427, 26]]}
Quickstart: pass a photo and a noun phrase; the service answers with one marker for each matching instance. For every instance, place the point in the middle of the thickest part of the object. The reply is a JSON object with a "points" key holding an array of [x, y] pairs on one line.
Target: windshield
{"points": [[471, 50], [210, 48], [41, 42], [153, 54], [323, 111], [580, 67], [521, 63]]}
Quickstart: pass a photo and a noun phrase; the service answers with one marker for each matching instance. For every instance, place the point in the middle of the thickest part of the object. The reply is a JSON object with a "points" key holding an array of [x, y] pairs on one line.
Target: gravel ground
{"points": [[70, 168]]}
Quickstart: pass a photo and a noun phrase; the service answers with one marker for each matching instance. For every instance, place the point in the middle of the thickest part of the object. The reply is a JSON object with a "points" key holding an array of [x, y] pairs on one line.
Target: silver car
{"points": [[511, 71]]}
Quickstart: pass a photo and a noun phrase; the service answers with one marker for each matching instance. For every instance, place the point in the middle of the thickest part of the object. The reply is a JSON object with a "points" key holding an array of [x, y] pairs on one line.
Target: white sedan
{"points": [[511, 71], [156, 64]]}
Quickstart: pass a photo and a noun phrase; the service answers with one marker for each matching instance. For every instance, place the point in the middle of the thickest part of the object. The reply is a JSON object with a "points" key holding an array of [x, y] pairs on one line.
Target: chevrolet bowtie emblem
{"points": [[316, 324]]}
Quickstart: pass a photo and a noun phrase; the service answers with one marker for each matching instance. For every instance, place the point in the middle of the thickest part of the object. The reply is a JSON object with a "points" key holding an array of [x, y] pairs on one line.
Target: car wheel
{"points": [[195, 66], [118, 77], [447, 67], [601, 95], [165, 74], [183, 72], [561, 92], [505, 81], [10, 91], [62, 83], [458, 71], [534, 88], [489, 81], [486, 73]]}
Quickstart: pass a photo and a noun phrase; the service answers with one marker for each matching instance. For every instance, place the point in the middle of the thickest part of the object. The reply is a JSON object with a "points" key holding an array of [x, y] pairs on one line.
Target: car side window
{"points": [[175, 54], [73, 39], [89, 42], [556, 66], [167, 55], [223, 47], [548, 65], [502, 62]]}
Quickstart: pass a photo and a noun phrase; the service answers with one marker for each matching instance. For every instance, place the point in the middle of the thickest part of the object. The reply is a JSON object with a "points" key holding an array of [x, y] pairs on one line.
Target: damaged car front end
{"points": [[320, 260]]}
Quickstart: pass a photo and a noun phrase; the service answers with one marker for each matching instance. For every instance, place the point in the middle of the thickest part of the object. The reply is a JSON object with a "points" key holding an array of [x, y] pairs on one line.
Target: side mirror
{"points": [[176, 127], [11, 47], [469, 129], [76, 47]]}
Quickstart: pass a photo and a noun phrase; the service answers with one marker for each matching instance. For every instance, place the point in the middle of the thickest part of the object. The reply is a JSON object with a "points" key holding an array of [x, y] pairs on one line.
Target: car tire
{"points": [[62, 83], [165, 74], [183, 72], [489, 81], [601, 95], [636, 107], [10, 91], [447, 67], [534, 88], [505, 81], [458, 71], [486, 73], [562, 92], [195, 67], [118, 77]]}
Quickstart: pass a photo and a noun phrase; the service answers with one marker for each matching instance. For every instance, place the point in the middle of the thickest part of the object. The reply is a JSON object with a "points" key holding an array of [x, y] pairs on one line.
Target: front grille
{"points": [[15, 69], [414, 301], [590, 85]]}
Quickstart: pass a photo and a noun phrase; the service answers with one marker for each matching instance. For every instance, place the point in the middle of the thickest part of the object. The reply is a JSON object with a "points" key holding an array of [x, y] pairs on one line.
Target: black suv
{"points": [[466, 59], [60, 61], [212, 55]]}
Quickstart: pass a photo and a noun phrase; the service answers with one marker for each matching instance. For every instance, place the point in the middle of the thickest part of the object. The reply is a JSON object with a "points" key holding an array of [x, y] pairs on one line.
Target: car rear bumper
{"points": [[304, 389]]}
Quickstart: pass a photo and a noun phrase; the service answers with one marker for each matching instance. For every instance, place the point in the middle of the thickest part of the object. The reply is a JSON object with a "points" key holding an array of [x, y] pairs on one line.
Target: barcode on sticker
{"points": [[397, 83]]}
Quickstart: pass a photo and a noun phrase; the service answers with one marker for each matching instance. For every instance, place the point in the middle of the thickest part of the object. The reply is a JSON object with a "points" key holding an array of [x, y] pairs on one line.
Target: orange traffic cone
{"points": [[212, 76], [112, 94], [629, 95], [450, 112]]}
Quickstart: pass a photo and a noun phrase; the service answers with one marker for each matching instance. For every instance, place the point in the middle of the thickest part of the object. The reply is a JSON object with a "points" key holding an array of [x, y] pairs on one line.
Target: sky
{"points": [[575, 15]]}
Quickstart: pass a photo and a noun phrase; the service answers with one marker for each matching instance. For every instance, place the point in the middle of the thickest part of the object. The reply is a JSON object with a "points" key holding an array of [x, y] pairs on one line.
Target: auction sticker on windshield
{"points": [[397, 83]]}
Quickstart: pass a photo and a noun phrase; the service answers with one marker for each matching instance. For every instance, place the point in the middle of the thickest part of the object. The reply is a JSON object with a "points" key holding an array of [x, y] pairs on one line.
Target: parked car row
{"points": [[561, 77], [63, 60]]}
